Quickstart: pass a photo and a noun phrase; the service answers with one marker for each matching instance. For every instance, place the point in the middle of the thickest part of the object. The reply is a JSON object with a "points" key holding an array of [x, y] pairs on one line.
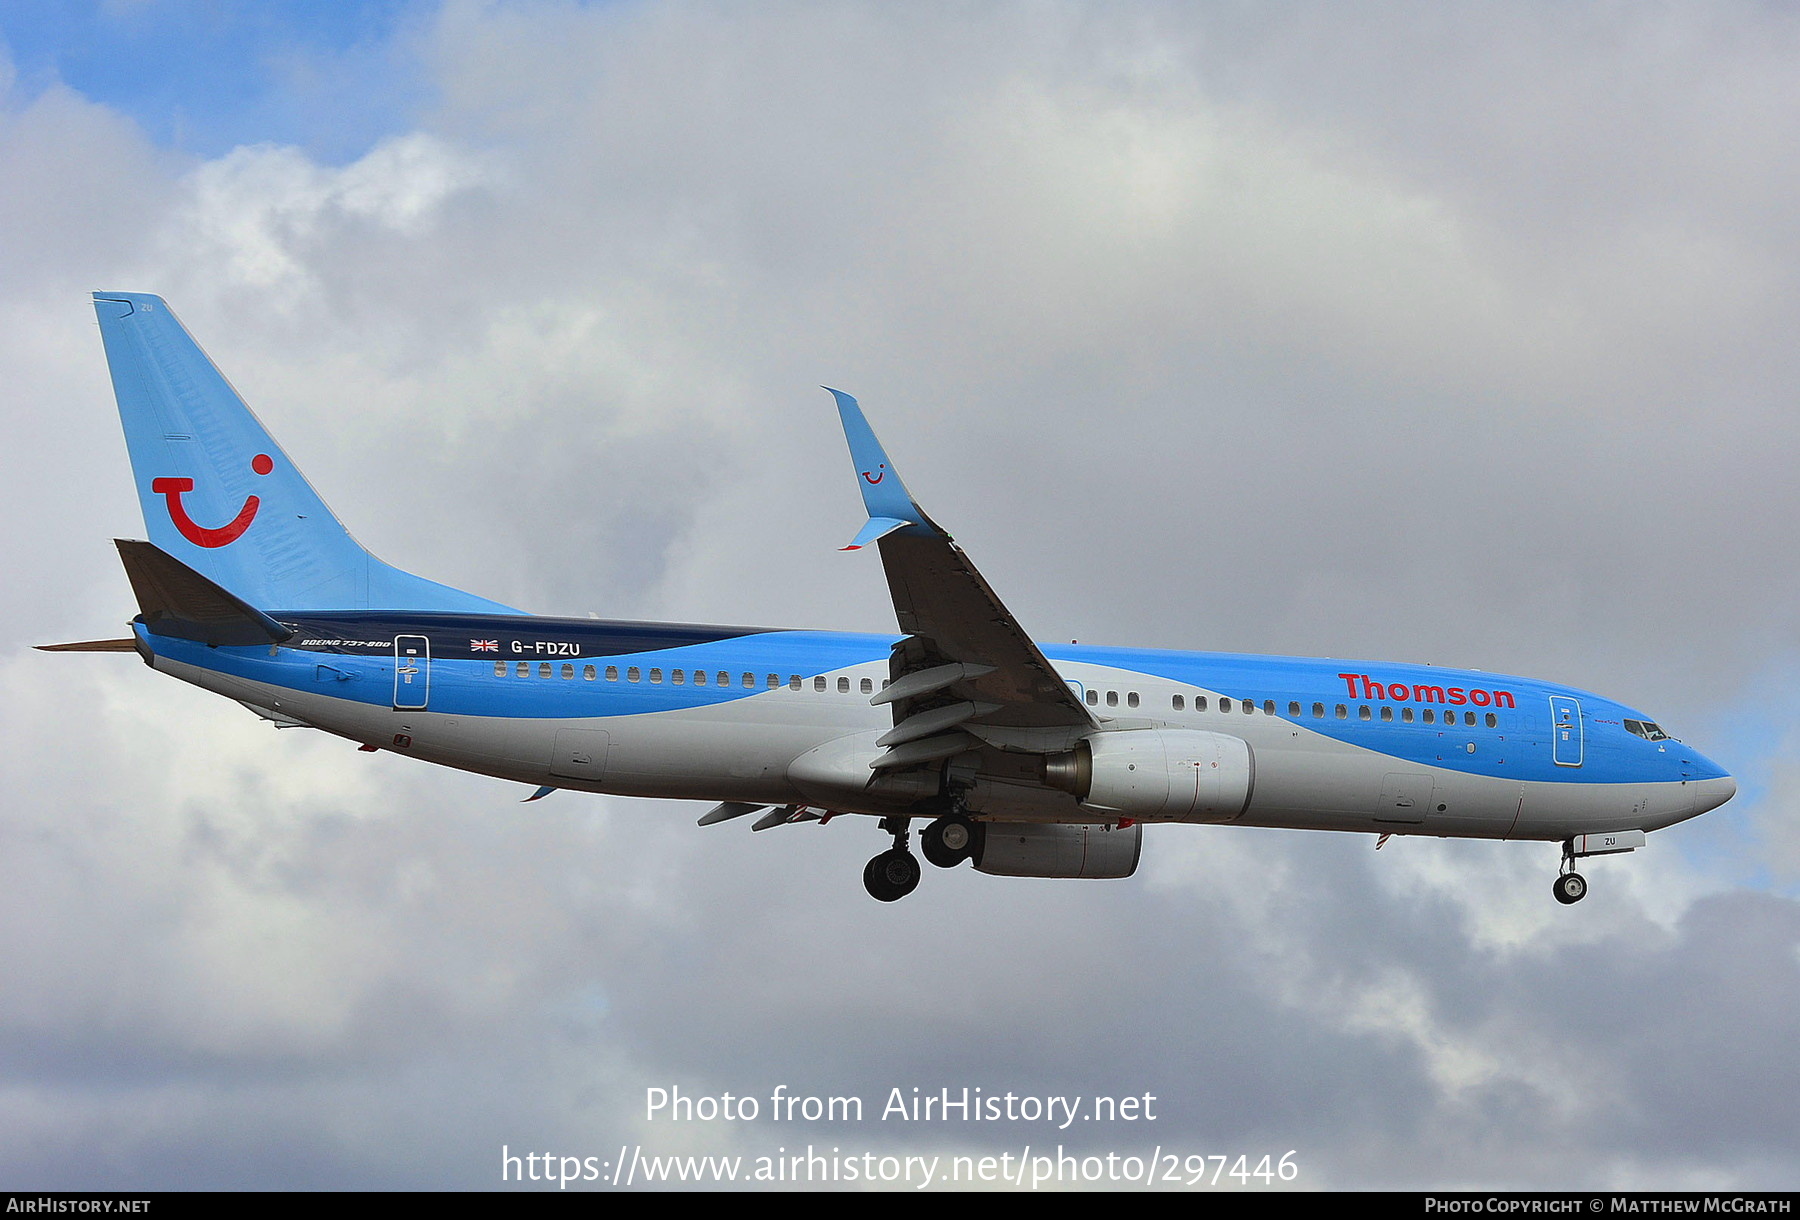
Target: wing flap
{"points": [[925, 750], [933, 721], [928, 681]]}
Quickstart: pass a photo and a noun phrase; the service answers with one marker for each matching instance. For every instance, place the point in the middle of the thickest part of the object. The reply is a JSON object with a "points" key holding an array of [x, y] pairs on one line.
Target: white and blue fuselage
{"points": [[723, 713]]}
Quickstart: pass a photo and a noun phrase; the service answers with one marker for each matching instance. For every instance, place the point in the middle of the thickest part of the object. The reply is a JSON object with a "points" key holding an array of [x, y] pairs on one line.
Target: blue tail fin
{"points": [[219, 494]]}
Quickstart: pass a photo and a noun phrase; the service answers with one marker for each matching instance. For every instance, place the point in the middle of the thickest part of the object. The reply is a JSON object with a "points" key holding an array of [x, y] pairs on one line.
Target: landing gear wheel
{"points": [[949, 841], [892, 875], [1571, 888]]}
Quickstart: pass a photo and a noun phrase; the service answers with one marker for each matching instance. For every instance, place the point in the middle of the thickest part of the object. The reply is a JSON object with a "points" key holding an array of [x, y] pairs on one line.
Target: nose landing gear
{"points": [[1571, 886]]}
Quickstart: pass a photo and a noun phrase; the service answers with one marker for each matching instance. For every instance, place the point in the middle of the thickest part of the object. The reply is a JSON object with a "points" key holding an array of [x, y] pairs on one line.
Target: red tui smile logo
{"points": [[171, 489]]}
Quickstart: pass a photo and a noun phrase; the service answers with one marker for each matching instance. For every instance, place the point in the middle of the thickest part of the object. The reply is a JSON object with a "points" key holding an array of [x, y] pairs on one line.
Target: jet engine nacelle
{"points": [[1033, 849], [1159, 775]]}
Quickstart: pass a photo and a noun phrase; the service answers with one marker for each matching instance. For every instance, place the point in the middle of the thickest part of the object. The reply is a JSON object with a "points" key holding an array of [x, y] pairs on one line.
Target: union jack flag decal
{"points": [[484, 645]]}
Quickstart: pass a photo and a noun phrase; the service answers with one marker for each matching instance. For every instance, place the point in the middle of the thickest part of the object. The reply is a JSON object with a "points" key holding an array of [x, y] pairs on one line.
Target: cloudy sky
{"points": [[1424, 332]]}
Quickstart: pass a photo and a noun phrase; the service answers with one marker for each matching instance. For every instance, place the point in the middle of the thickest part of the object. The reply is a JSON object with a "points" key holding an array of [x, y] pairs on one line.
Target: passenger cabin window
{"points": [[1362, 713], [1343, 713], [1224, 704], [612, 673], [1199, 703], [794, 682], [1387, 713], [749, 681], [699, 677], [1093, 698], [632, 674], [524, 669], [774, 681], [543, 669], [1112, 698], [568, 670], [843, 686], [818, 684], [499, 669], [724, 678], [677, 676], [1406, 715], [1131, 700], [589, 673], [1492, 720], [656, 676], [1318, 711], [1294, 708], [1177, 702], [868, 686], [1268, 707]]}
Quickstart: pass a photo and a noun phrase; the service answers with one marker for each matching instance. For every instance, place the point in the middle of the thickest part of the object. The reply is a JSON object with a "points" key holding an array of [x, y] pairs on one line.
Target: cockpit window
{"points": [[1647, 730]]}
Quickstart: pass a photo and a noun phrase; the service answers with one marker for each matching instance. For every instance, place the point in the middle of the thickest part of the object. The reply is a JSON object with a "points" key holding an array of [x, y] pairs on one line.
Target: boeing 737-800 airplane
{"points": [[1029, 759]]}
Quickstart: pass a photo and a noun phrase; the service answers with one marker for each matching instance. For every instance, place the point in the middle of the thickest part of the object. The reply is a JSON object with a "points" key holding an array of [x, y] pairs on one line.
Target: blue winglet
{"points": [[890, 505], [875, 528]]}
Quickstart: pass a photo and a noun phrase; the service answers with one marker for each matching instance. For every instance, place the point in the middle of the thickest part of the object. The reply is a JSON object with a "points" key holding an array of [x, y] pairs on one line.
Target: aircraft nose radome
{"points": [[1712, 793]]}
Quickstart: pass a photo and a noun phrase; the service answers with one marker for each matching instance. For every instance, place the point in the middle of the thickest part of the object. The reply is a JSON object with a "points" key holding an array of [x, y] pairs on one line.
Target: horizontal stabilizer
{"points": [[178, 601], [91, 646]]}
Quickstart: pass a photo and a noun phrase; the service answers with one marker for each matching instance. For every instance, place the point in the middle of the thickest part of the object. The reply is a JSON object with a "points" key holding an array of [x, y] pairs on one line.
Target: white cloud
{"points": [[259, 215]]}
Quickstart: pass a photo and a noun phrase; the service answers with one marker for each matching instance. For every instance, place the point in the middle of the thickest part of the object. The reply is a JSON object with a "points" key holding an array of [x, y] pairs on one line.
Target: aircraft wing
{"points": [[965, 668]]}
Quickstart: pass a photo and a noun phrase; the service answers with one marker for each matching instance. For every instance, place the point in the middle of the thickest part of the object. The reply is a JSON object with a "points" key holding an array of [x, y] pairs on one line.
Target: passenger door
{"points": [[412, 672], [1565, 731]]}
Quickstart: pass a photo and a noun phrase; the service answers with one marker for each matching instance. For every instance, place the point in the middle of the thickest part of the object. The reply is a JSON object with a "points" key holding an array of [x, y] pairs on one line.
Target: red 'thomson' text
{"points": [[1400, 692]]}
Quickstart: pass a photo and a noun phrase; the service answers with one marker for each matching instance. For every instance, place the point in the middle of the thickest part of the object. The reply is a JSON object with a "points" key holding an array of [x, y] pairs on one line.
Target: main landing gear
{"points": [[893, 874], [950, 840], [1571, 886], [946, 842]]}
